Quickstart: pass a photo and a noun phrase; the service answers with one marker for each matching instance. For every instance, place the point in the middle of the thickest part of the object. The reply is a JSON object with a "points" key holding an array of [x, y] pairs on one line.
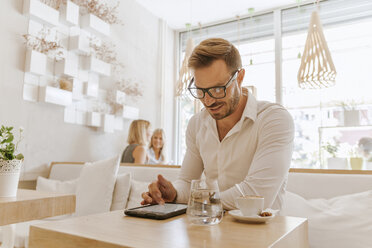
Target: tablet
{"points": [[159, 212]]}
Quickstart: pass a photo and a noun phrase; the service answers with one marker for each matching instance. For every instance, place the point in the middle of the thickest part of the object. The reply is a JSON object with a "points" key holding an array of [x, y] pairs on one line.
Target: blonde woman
{"points": [[156, 152], [138, 138]]}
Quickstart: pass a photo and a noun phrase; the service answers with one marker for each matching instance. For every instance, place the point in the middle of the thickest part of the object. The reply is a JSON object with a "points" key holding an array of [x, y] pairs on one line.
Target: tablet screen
{"points": [[157, 211], [162, 209]]}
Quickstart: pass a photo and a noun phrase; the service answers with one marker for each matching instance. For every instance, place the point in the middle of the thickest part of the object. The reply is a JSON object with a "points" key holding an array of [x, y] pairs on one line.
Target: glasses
{"points": [[216, 92]]}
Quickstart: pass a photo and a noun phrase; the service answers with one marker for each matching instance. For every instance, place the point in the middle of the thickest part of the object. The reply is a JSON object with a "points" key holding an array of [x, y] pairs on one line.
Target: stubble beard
{"points": [[231, 107]]}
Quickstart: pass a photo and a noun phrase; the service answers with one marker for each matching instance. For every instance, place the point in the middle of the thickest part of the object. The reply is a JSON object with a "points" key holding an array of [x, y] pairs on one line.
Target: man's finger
{"points": [[155, 193], [162, 181], [146, 198]]}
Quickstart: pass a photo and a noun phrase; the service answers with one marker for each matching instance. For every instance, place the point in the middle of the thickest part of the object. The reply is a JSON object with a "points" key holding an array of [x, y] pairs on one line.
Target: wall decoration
{"points": [[66, 58]]}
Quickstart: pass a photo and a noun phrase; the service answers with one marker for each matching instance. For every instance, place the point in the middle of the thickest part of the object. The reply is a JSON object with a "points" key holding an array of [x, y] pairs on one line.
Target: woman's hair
{"points": [[213, 49], [162, 150], [138, 132]]}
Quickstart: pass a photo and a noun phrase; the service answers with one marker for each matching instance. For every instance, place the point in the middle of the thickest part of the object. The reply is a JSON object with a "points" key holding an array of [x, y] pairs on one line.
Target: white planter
{"points": [[9, 177], [79, 44], [69, 115], [35, 62], [70, 14], [92, 86], [108, 123], [67, 67], [41, 12], [77, 89], [95, 25], [94, 119], [98, 66], [337, 163], [54, 95], [129, 112], [351, 118]]}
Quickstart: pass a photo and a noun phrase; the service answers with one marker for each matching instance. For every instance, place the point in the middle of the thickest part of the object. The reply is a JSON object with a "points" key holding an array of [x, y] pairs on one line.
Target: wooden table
{"points": [[33, 205], [114, 230]]}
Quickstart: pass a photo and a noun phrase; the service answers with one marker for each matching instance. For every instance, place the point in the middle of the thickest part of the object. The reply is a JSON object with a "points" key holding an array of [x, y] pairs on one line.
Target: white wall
{"points": [[47, 137]]}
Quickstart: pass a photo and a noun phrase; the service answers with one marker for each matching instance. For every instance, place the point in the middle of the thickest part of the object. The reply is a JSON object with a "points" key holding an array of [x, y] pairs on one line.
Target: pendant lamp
{"points": [[185, 73], [317, 69]]}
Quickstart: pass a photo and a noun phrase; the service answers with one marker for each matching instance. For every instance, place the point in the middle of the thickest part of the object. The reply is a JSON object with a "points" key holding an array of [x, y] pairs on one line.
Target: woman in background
{"points": [[156, 152], [138, 138]]}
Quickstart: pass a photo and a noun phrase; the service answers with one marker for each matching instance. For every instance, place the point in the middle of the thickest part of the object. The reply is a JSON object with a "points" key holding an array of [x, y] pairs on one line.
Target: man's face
{"points": [[217, 74]]}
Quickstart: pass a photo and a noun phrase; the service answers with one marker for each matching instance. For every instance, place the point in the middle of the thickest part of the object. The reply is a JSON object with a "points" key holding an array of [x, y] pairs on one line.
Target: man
{"points": [[234, 139]]}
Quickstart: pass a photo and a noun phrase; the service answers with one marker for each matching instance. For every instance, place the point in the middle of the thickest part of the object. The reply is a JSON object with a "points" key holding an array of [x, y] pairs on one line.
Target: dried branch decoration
{"points": [[105, 51], [130, 88], [101, 10], [317, 69], [42, 44], [55, 4]]}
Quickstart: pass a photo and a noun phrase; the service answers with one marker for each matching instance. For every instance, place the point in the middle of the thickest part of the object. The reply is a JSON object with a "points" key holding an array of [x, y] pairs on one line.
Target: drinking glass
{"points": [[204, 207]]}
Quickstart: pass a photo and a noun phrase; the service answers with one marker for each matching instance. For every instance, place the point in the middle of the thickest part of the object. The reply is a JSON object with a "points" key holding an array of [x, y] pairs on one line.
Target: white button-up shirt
{"points": [[255, 153]]}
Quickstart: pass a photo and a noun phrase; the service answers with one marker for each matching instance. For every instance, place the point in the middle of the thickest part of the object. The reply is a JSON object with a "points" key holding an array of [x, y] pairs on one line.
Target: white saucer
{"points": [[236, 214]]}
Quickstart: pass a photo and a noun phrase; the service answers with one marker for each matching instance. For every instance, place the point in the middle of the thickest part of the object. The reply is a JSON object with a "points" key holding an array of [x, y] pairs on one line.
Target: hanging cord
{"points": [[238, 22], [250, 11]]}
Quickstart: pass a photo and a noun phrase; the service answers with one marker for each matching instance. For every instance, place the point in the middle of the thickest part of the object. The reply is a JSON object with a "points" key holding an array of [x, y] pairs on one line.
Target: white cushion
{"points": [[56, 186], [95, 186], [121, 192], [342, 221], [136, 190]]}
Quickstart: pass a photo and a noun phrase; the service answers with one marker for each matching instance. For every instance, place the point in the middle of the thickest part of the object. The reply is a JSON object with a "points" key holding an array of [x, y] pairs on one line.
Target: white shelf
{"points": [[129, 112], [30, 92], [79, 44], [77, 89], [35, 62], [94, 119], [98, 66], [67, 67], [54, 95], [92, 86], [95, 25], [70, 14], [41, 12]]}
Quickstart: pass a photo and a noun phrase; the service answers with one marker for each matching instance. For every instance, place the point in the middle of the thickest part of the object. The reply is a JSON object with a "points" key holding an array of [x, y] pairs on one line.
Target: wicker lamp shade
{"points": [[185, 73], [317, 69]]}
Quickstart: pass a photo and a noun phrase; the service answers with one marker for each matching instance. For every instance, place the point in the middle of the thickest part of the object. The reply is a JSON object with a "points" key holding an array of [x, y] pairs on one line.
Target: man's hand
{"points": [[160, 191]]}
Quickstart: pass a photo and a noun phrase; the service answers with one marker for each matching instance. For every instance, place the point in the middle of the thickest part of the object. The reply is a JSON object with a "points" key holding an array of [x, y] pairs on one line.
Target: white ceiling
{"points": [[179, 12]]}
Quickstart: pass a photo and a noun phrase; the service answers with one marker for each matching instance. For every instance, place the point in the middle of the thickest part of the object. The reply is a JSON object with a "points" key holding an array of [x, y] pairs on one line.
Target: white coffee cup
{"points": [[250, 205]]}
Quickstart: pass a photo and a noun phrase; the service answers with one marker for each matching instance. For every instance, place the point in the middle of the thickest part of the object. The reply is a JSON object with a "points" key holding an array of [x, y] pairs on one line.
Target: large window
{"points": [[322, 117]]}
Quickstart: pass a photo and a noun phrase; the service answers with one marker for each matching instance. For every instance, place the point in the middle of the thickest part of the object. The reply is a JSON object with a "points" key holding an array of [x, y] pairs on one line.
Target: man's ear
{"points": [[241, 77]]}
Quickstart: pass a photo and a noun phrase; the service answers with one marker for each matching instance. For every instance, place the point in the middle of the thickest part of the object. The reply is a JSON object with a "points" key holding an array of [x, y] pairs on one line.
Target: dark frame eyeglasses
{"points": [[216, 92]]}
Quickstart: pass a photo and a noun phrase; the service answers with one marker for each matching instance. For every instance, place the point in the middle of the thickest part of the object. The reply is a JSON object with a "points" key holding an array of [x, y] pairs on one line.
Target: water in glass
{"points": [[204, 206]]}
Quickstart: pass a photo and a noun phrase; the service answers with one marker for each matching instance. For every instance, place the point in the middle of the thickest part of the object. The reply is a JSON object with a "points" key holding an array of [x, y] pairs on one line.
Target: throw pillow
{"points": [[95, 186], [343, 221], [56, 186], [121, 192], [136, 190]]}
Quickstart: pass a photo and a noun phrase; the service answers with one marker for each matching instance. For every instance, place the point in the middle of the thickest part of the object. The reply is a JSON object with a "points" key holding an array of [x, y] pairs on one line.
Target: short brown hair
{"points": [[213, 49], [137, 132]]}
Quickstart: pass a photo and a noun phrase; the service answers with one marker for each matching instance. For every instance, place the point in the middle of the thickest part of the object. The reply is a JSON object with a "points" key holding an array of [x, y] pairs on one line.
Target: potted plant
{"points": [[10, 162], [356, 161], [334, 162]]}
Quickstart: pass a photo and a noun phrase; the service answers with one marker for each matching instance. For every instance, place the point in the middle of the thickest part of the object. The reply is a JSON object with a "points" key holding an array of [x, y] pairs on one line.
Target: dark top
{"points": [[127, 156]]}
